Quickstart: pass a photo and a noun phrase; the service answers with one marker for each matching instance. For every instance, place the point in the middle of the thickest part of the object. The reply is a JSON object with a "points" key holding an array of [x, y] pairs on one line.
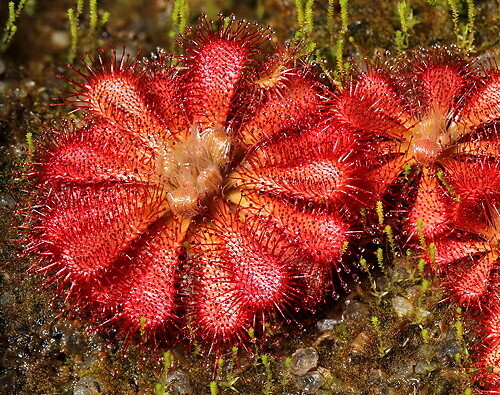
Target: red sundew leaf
{"points": [[162, 87], [433, 81], [298, 98], [487, 362], [372, 104], [442, 84], [450, 250], [317, 237], [433, 206], [469, 280], [484, 104], [481, 143], [316, 234], [112, 91], [256, 254], [217, 312], [217, 60], [317, 283], [385, 173], [142, 291], [89, 155], [85, 228], [215, 72], [490, 323], [297, 168], [476, 180], [247, 268], [486, 353], [261, 278]]}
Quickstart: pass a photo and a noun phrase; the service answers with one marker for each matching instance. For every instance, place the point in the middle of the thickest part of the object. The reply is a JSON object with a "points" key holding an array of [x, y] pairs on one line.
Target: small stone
{"points": [[414, 292], [377, 376], [356, 310], [386, 391], [7, 299], [303, 360], [60, 39], [424, 368], [90, 360], [404, 368], [402, 306], [310, 382], [361, 344], [7, 201], [20, 93], [178, 382], [87, 386], [424, 314], [73, 343], [327, 324], [448, 348]]}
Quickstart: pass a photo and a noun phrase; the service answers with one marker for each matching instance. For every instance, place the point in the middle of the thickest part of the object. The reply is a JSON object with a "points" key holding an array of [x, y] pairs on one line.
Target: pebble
{"points": [[73, 342], [387, 391], [402, 306], [303, 360], [424, 368], [178, 382], [377, 376], [414, 292], [327, 324], [87, 386], [90, 360], [448, 348], [356, 310], [310, 382], [7, 201], [7, 299], [60, 39], [361, 344]]}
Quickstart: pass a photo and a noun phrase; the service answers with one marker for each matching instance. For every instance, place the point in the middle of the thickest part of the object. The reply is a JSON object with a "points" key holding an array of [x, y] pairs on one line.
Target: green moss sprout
{"points": [[225, 375], [213, 388], [74, 17], [30, 143], [454, 14], [464, 34], [382, 347], [339, 53], [421, 235], [168, 359], [455, 196], [10, 28], [304, 9], [407, 21], [377, 294], [345, 246], [330, 15], [269, 382], [390, 237], [466, 38], [432, 252], [380, 212], [180, 15]]}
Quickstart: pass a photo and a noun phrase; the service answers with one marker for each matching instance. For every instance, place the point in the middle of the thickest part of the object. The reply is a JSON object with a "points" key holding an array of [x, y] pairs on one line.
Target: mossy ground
{"points": [[44, 352]]}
